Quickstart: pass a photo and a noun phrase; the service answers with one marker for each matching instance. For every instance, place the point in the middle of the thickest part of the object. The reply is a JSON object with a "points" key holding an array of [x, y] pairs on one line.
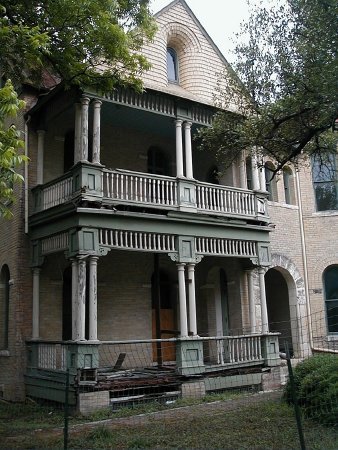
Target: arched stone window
{"points": [[248, 170], [4, 307], [330, 280], [288, 186], [172, 65], [270, 181]]}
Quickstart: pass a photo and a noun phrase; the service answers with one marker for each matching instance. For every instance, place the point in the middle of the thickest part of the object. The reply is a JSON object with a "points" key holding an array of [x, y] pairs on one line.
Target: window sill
{"points": [[4, 353], [282, 205], [325, 213], [332, 337]]}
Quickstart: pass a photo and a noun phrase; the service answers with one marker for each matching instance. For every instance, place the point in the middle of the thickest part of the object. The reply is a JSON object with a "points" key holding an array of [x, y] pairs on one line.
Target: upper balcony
{"points": [[119, 188]]}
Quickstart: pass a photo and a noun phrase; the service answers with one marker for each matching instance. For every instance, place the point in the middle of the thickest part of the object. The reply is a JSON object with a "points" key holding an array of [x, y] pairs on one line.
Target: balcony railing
{"points": [[133, 187], [150, 191]]}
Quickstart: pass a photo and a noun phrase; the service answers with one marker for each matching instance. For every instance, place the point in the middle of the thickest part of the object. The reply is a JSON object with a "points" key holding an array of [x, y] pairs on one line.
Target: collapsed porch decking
{"points": [[97, 368]]}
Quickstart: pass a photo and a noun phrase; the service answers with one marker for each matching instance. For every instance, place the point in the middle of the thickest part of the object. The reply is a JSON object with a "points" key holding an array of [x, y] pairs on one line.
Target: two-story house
{"points": [[132, 249]]}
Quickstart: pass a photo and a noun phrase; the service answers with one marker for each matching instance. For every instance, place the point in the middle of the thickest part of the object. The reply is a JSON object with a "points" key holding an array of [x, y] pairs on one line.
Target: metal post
{"points": [[295, 399]]}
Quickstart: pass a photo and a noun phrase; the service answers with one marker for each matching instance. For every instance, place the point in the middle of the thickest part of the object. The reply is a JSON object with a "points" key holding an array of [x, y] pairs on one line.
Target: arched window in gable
{"points": [[330, 280], [4, 307], [172, 65]]}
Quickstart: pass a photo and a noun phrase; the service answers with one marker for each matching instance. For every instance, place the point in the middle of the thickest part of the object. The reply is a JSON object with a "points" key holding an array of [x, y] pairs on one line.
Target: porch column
{"points": [[192, 299], [36, 304], [75, 325], [264, 310], [262, 183], [179, 149], [188, 150], [84, 128], [252, 306], [93, 298], [255, 175], [182, 300], [96, 130], [77, 133], [41, 149], [82, 298]]}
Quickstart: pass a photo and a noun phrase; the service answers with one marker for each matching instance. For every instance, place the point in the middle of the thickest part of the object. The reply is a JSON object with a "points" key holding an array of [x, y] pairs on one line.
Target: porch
{"points": [[127, 371]]}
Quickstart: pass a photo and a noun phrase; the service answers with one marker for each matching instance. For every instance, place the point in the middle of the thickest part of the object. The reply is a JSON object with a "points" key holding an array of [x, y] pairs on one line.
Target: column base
{"points": [[189, 357]]}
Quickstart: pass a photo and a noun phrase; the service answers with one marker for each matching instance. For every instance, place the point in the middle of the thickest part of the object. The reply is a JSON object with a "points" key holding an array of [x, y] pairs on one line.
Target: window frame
{"points": [[173, 66], [325, 177], [329, 300], [5, 297]]}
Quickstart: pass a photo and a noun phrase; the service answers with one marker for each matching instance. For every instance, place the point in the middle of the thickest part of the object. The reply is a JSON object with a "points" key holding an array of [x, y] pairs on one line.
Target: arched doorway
{"points": [[278, 305]]}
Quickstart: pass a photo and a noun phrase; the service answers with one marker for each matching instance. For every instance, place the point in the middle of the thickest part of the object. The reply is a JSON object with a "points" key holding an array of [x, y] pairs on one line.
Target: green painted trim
{"points": [[233, 381]]}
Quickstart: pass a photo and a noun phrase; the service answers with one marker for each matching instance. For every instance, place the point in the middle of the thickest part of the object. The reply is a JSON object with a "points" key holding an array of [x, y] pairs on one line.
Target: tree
{"points": [[92, 43], [287, 94], [10, 145]]}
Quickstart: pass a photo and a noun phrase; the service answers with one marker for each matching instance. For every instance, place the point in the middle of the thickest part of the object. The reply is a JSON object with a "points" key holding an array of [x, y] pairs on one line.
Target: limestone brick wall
{"points": [[199, 61], [14, 252]]}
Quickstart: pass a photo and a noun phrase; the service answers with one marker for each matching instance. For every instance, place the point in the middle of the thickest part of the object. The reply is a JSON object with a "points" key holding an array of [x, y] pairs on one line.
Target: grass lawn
{"points": [[251, 423]]}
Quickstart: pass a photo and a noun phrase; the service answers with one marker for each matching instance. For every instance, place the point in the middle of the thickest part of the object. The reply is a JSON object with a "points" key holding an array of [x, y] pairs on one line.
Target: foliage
{"points": [[269, 424], [79, 42], [10, 146], [286, 100], [316, 384]]}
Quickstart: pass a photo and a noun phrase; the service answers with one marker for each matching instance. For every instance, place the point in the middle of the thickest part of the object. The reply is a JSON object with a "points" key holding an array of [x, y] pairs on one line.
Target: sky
{"points": [[220, 18]]}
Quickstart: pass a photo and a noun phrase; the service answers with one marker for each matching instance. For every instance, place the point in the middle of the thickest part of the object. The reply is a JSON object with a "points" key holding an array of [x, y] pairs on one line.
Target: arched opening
{"points": [[270, 181], [248, 170], [278, 305], [330, 279], [4, 307]]}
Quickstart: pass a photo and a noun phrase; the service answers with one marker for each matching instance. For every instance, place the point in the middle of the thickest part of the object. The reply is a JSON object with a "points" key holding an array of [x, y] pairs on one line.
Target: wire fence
{"points": [[278, 390]]}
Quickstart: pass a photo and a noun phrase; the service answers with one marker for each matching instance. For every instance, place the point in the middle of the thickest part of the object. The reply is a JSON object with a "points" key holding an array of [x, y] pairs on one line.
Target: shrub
{"points": [[316, 384]]}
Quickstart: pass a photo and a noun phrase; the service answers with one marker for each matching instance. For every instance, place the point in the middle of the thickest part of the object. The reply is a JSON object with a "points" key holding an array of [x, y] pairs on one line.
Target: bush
{"points": [[316, 384]]}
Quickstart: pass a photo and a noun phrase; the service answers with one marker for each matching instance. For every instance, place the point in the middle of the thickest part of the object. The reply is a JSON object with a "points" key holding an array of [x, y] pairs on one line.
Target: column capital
{"points": [[178, 122], [84, 100], [187, 124], [41, 131], [96, 103]]}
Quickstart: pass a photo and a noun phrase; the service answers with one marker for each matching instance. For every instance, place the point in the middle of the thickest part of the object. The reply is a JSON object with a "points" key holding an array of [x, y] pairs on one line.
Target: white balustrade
{"points": [[223, 199], [52, 356], [140, 188], [57, 193]]}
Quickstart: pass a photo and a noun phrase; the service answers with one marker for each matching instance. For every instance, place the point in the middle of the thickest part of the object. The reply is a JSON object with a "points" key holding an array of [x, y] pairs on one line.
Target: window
{"points": [[331, 298], [287, 179], [325, 182], [158, 162], [248, 167], [172, 65], [4, 307], [270, 182]]}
